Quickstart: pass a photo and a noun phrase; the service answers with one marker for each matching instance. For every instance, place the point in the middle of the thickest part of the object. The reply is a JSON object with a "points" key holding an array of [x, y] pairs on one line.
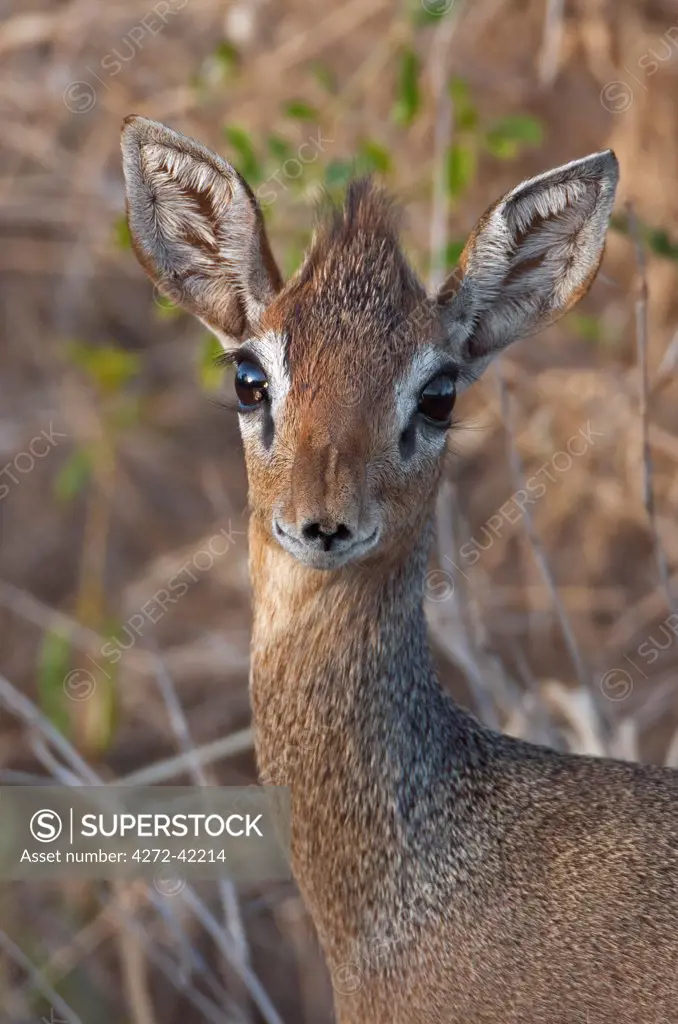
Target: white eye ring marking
{"points": [[269, 351], [426, 364]]}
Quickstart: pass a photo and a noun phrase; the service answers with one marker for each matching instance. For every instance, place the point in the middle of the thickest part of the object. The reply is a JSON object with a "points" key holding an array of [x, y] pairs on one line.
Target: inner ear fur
{"points": [[197, 228], [533, 255]]}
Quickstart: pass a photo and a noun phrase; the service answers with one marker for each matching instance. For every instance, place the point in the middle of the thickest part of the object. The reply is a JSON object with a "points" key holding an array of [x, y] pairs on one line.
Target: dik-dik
{"points": [[454, 874]]}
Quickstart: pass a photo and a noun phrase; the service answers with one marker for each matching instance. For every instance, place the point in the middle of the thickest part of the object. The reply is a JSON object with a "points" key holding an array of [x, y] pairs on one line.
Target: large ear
{"points": [[532, 256], [197, 228]]}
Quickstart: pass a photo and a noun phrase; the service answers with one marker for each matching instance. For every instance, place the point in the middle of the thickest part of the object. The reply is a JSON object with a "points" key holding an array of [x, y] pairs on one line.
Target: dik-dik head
{"points": [[346, 377]]}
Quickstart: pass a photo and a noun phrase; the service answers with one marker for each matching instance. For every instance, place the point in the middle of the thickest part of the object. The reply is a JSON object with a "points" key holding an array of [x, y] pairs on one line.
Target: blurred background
{"points": [[124, 606]]}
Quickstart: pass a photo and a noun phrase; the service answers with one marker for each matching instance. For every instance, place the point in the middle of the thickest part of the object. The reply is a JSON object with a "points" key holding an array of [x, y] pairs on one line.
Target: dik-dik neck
{"points": [[349, 714]]}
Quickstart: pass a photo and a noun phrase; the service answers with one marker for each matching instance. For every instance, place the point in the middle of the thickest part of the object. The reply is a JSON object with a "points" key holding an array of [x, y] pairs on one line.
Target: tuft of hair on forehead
{"points": [[355, 270], [367, 210]]}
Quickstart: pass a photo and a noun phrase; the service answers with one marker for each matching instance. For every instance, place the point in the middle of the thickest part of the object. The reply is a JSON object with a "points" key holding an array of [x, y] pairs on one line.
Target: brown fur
{"points": [[455, 875]]}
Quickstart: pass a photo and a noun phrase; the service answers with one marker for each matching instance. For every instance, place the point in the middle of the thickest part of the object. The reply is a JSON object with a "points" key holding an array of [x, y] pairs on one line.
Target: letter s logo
{"points": [[46, 826]]}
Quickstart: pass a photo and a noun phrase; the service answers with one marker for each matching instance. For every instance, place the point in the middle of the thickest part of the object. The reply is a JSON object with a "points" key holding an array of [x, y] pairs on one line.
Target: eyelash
{"points": [[227, 359]]}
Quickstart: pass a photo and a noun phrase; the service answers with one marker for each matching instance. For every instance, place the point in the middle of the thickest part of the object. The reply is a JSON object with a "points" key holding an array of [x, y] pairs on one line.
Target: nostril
{"points": [[311, 531], [327, 534]]}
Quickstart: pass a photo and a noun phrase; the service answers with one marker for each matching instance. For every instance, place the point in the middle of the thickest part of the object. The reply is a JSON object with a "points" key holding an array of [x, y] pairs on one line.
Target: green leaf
{"points": [[299, 110], [660, 243], [372, 156], [465, 114], [52, 678], [209, 371], [586, 326], [324, 76], [506, 137], [338, 173], [227, 57], [278, 147], [453, 251], [461, 168], [408, 94], [246, 157], [73, 475], [502, 149], [657, 240], [107, 366], [121, 236]]}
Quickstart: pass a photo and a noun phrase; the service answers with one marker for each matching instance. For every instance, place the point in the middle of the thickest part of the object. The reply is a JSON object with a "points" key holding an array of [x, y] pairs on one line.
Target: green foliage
{"points": [[372, 156], [453, 251], [507, 136], [461, 167], [109, 369], [587, 327], [121, 236], [217, 69], [338, 173], [299, 110], [246, 158], [107, 366], [324, 76], [657, 240], [227, 58], [73, 475], [53, 665], [408, 94], [465, 114], [210, 373], [279, 148], [593, 330]]}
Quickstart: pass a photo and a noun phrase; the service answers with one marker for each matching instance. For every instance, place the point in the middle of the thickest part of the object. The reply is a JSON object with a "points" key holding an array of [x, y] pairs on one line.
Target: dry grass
{"points": [[554, 622]]}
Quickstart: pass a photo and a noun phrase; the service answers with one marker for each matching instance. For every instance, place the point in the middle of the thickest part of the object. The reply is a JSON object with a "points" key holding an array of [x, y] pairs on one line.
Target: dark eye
{"points": [[436, 401], [251, 385]]}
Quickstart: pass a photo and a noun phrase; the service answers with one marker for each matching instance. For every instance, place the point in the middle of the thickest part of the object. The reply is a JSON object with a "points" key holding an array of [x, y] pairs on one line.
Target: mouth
{"points": [[318, 559]]}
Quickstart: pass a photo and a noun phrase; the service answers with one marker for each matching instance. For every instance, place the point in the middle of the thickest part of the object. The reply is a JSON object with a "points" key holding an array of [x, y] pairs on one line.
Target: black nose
{"points": [[325, 535]]}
